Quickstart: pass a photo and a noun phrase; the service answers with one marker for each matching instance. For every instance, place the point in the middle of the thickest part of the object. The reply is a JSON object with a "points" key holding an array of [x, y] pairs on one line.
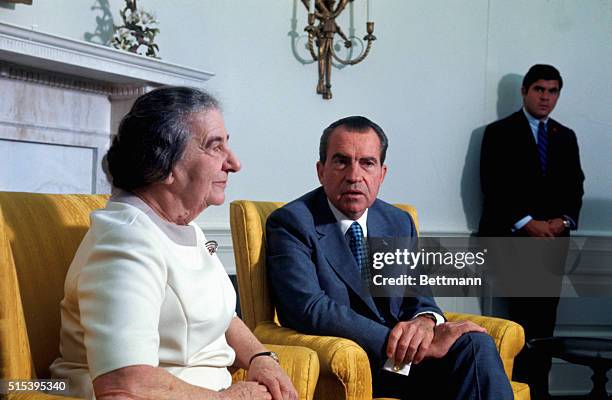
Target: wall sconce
{"points": [[322, 36]]}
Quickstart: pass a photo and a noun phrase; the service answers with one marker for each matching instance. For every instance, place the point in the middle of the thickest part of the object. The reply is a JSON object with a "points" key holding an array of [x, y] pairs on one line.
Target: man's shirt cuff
{"points": [[521, 223], [439, 319]]}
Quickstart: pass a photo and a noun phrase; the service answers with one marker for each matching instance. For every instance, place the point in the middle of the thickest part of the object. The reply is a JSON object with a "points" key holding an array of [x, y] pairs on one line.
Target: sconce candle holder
{"points": [[322, 36]]}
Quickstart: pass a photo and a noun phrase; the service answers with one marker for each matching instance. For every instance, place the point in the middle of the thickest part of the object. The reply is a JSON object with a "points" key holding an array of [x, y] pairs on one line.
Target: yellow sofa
{"points": [[345, 369], [39, 235]]}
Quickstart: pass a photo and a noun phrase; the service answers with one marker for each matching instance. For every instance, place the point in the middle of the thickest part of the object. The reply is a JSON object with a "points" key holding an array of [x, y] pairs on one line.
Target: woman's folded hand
{"points": [[246, 391], [268, 372]]}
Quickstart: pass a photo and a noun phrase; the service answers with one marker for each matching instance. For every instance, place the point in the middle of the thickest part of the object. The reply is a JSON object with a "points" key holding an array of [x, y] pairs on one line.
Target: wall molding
{"points": [[221, 232], [14, 71], [65, 59], [81, 131]]}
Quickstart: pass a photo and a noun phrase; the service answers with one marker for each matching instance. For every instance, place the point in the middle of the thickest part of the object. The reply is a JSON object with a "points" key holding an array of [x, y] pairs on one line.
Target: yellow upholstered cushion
{"points": [[15, 359], [341, 360], [248, 228], [44, 232], [521, 391]]}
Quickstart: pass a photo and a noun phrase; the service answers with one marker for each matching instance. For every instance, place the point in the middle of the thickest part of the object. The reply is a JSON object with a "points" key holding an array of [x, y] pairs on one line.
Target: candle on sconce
{"points": [[368, 11], [311, 6]]}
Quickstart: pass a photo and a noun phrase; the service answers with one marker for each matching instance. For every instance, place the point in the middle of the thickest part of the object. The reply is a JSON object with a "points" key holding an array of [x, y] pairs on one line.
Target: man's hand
{"points": [[556, 226], [409, 339], [536, 228], [446, 335], [267, 372]]}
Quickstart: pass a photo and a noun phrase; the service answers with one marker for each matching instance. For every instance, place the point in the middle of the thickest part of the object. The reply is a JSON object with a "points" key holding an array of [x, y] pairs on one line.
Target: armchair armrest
{"points": [[345, 368], [509, 336], [300, 363], [344, 365]]}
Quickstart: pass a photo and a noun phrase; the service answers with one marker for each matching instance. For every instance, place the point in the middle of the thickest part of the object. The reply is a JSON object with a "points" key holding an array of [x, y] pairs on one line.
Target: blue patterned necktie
{"points": [[542, 146], [359, 250]]}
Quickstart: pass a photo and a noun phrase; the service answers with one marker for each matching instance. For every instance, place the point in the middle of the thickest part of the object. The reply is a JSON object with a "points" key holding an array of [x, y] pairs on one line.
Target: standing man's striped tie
{"points": [[543, 146]]}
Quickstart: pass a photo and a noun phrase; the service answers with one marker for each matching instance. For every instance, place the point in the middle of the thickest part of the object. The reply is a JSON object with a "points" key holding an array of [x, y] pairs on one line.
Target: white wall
{"points": [[432, 81]]}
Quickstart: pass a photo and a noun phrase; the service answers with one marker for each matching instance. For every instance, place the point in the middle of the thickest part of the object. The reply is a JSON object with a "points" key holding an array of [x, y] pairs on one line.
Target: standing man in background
{"points": [[532, 183]]}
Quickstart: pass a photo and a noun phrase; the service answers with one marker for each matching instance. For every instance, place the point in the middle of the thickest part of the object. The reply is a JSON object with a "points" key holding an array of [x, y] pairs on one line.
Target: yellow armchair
{"points": [[344, 366], [39, 235]]}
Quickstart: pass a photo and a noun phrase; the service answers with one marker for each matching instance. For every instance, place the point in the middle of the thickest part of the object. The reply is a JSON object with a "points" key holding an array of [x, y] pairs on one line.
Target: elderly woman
{"points": [[148, 311]]}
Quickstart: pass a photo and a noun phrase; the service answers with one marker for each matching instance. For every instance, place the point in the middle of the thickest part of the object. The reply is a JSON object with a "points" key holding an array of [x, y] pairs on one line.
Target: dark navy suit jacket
{"points": [[315, 280], [511, 179]]}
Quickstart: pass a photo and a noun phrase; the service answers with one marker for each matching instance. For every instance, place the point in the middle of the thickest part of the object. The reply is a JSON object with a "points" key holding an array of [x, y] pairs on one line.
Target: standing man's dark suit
{"points": [[316, 279], [511, 180], [526, 196]]}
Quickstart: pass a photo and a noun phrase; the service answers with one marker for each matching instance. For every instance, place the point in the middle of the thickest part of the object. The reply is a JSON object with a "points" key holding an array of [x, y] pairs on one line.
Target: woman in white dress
{"points": [[148, 311]]}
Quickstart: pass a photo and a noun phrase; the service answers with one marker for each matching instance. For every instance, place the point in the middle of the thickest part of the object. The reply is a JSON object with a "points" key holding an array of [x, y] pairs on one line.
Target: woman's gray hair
{"points": [[153, 136]]}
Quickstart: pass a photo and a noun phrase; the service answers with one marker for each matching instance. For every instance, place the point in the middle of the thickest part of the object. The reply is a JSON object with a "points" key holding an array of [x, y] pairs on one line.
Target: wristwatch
{"points": [[430, 316], [566, 223], [270, 354]]}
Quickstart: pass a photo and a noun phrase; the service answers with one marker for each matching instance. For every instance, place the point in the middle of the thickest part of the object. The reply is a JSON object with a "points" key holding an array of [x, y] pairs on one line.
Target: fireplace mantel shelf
{"points": [[112, 70]]}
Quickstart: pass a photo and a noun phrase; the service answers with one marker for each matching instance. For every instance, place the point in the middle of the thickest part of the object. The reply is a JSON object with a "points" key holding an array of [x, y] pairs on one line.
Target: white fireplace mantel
{"points": [[111, 69], [62, 99]]}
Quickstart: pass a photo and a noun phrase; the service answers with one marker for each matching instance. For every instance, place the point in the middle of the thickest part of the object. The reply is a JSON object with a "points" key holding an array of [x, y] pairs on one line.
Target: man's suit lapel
{"points": [[376, 223], [337, 251], [378, 228], [554, 136]]}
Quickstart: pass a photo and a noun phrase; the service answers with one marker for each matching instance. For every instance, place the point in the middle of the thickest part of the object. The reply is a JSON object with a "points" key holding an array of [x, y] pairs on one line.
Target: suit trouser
{"points": [[472, 369], [537, 316]]}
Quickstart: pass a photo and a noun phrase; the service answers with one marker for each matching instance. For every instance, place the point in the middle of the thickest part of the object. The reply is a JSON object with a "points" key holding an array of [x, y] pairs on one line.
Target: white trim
{"points": [[69, 57], [458, 232]]}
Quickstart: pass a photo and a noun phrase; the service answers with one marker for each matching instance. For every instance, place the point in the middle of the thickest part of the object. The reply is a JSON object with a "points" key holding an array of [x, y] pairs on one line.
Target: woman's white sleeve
{"points": [[121, 290]]}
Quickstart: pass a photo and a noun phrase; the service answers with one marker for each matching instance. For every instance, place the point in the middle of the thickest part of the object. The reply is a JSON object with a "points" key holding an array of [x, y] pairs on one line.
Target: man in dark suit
{"points": [[532, 184], [316, 258]]}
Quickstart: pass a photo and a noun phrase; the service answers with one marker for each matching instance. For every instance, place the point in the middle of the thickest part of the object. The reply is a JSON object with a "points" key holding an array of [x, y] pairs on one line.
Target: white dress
{"points": [[141, 290]]}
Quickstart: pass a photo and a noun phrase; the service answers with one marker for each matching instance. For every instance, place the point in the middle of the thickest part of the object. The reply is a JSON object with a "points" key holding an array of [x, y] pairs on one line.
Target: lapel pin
{"points": [[211, 245]]}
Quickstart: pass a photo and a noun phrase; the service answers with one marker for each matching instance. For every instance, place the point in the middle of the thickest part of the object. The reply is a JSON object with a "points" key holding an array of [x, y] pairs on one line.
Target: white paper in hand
{"points": [[402, 369]]}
